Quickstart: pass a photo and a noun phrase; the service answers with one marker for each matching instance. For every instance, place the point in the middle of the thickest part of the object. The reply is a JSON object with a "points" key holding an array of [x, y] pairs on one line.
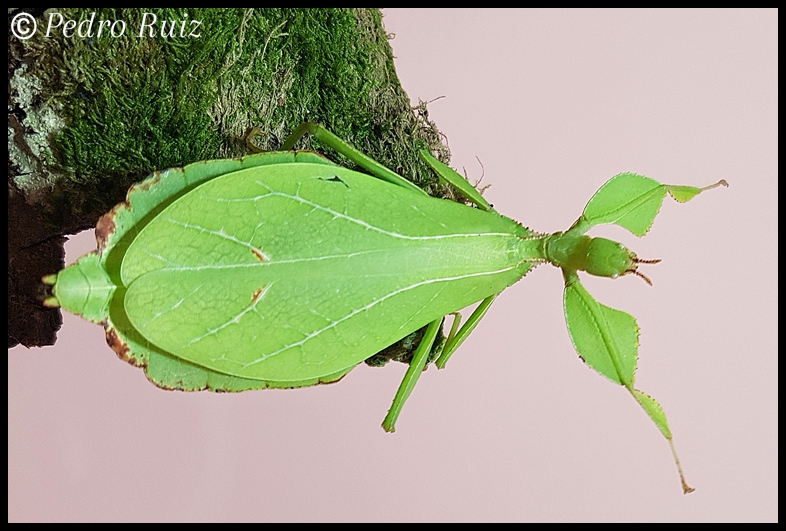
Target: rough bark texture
{"points": [[90, 113]]}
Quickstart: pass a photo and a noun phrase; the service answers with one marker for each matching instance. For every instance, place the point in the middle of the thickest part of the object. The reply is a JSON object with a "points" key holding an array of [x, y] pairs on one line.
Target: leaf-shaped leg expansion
{"points": [[632, 201], [607, 340]]}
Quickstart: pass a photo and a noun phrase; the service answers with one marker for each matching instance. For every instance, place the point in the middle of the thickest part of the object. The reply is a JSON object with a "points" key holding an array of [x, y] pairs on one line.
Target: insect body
{"points": [[285, 270]]}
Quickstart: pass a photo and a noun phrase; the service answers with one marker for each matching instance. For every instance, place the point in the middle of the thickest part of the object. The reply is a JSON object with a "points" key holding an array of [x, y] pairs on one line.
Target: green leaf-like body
{"points": [[290, 272], [283, 269]]}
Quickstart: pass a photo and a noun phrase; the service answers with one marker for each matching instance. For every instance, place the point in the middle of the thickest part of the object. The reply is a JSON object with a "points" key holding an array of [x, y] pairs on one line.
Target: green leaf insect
{"points": [[283, 269]]}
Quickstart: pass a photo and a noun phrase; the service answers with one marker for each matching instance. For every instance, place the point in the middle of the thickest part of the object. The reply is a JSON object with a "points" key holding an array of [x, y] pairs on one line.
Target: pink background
{"points": [[553, 103]]}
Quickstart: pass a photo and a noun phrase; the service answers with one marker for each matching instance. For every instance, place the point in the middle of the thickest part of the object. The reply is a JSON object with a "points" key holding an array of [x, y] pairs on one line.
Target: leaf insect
{"points": [[283, 269]]}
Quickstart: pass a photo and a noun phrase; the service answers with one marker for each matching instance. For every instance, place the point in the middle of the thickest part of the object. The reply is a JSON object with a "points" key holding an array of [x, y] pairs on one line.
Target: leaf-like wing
{"points": [[292, 272]]}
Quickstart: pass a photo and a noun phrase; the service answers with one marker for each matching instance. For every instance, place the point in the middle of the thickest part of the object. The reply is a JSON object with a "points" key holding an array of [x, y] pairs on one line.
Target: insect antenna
{"points": [[639, 274], [636, 271]]}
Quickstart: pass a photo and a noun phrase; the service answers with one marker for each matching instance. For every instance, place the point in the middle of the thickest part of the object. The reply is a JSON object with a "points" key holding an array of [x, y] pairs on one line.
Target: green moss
{"points": [[135, 104]]}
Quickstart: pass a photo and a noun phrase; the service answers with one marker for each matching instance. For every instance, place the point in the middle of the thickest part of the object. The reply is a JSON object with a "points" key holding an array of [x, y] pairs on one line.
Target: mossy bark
{"points": [[90, 114]]}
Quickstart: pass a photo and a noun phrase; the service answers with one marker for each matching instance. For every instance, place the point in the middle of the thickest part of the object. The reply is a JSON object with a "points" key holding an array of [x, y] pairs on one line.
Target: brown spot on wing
{"points": [[120, 347], [106, 225], [256, 295], [149, 182]]}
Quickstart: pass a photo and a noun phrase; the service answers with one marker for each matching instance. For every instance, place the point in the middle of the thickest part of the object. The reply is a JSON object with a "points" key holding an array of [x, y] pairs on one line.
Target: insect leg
{"points": [[359, 158], [454, 327], [414, 370], [450, 175], [453, 343]]}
